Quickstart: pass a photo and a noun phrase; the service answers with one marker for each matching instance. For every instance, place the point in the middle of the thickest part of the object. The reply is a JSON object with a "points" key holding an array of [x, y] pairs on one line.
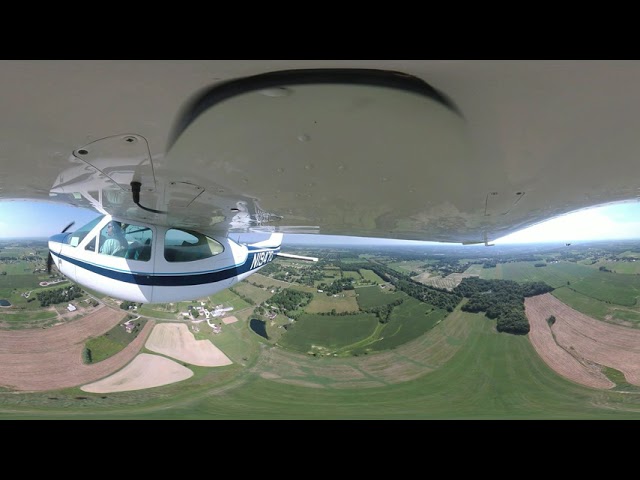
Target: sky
{"points": [[21, 219]]}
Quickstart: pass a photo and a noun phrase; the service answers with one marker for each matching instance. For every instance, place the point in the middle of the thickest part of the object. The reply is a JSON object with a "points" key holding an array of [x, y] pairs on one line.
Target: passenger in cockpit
{"points": [[115, 242]]}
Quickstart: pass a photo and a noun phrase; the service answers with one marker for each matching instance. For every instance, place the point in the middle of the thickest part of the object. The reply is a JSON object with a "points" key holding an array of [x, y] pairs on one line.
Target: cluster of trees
{"points": [[336, 286], [289, 299], [309, 276], [502, 300], [86, 356], [59, 295], [383, 312], [438, 298], [446, 265], [126, 304]]}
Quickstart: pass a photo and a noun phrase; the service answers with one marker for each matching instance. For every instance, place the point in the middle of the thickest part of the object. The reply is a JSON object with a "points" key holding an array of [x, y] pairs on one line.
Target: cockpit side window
{"points": [[139, 239], [187, 246], [126, 240], [76, 237]]}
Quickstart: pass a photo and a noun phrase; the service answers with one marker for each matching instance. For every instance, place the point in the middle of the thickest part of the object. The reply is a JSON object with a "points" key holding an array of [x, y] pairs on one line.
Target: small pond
{"points": [[259, 326]]}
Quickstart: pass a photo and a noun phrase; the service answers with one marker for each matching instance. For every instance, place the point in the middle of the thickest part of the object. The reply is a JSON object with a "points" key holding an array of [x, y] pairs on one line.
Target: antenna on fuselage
{"points": [[135, 192]]}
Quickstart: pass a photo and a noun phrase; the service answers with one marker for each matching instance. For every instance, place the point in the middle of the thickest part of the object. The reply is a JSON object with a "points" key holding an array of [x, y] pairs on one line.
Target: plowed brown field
{"points": [[49, 359], [576, 345]]}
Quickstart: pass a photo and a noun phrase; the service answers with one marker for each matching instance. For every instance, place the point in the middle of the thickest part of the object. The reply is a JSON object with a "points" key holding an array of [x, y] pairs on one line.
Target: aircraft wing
{"points": [[451, 151]]}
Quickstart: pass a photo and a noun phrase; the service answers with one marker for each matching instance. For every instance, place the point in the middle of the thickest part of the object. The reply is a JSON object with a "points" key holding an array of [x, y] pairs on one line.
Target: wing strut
{"points": [[298, 257]]}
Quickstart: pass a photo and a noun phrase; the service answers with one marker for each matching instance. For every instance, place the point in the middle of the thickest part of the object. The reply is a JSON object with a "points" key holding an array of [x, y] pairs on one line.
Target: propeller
{"points": [[50, 258]]}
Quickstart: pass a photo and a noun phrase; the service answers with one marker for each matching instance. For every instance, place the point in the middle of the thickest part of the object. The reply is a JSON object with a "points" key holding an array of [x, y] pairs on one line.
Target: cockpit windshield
{"points": [[76, 237]]}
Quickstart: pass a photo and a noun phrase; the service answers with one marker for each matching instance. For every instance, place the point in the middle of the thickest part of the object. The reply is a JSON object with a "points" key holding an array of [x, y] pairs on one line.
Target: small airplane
{"points": [[176, 156], [188, 265]]}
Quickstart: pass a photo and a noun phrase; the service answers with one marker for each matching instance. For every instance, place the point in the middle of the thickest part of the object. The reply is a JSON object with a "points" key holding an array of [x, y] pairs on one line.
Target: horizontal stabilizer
{"points": [[297, 257]]}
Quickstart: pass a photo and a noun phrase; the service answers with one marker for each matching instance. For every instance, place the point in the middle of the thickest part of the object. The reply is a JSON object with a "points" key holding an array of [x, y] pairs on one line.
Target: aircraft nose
{"points": [[56, 241]]}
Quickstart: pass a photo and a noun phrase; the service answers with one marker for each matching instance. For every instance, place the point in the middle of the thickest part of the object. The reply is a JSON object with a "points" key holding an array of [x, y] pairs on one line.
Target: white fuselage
{"points": [[154, 278]]}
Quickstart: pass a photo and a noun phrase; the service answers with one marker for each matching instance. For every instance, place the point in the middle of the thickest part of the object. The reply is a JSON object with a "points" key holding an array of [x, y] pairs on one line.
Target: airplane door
{"points": [[118, 261]]}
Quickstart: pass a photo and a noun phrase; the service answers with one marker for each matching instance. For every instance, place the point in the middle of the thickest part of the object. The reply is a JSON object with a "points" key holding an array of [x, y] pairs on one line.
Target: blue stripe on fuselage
{"points": [[168, 280]]}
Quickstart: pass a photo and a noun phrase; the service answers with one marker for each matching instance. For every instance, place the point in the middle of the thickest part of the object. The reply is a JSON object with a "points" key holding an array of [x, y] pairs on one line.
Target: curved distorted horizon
{"points": [[31, 219]]}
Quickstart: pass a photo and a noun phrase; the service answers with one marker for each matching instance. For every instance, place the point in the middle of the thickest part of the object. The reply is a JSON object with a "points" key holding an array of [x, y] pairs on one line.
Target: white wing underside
{"points": [[518, 143]]}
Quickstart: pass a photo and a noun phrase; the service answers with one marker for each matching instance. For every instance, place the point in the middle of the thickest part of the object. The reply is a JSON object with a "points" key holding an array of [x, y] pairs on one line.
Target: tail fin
{"points": [[274, 241]]}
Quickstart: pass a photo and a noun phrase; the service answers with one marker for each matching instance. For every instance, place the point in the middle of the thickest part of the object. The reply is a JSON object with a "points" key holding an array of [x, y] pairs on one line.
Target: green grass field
{"points": [[26, 319], [267, 281], [258, 295], [408, 321], [352, 259], [474, 269], [374, 296], [324, 333], [344, 302], [350, 274], [371, 276], [26, 281], [360, 334], [150, 311], [112, 342], [629, 268], [597, 308], [229, 299], [408, 266], [235, 341]]}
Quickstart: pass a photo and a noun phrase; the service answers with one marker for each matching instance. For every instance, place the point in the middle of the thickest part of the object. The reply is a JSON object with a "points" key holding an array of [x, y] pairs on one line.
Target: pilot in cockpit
{"points": [[115, 242]]}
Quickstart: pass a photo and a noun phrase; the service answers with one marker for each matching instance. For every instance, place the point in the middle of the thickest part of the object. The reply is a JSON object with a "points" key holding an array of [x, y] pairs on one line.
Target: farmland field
{"points": [[605, 286], [19, 281], [319, 333], [408, 266], [628, 268], [597, 308], [461, 369], [449, 282], [228, 299], [344, 302], [267, 281], [150, 311], [374, 296], [371, 276], [258, 295], [421, 364], [351, 274], [408, 321]]}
